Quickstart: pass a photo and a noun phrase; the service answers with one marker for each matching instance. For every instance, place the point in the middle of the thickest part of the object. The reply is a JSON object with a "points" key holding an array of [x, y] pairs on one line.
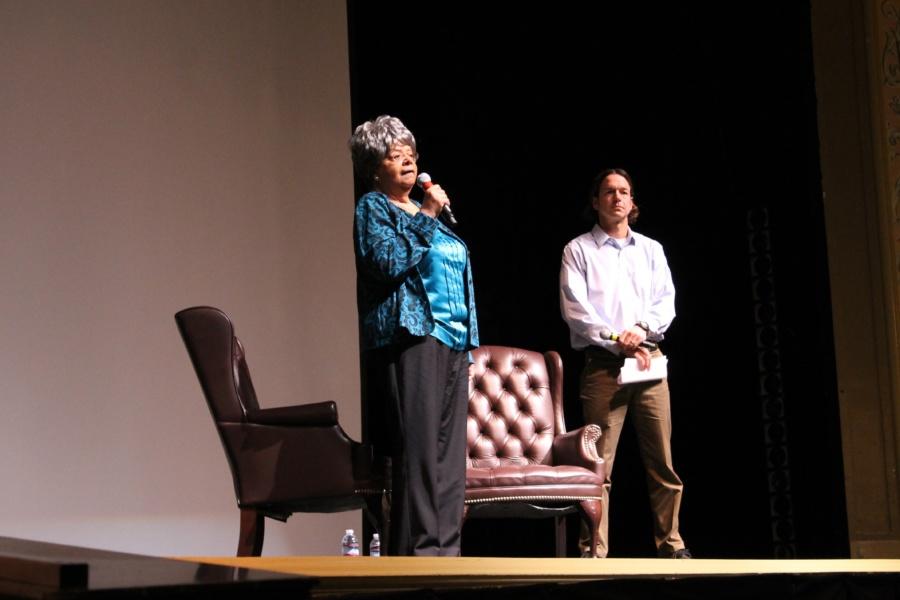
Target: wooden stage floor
{"points": [[363, 576]]}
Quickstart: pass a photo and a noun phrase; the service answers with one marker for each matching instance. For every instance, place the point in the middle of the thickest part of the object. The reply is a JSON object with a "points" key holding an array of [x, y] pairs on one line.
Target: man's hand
{"points": [[642, 355], [631, 338], [629, 341]]}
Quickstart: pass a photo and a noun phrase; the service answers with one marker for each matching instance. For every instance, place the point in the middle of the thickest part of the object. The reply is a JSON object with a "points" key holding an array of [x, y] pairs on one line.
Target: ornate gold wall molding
{"points": [[885, 27], [856, 52], [887, 24]]}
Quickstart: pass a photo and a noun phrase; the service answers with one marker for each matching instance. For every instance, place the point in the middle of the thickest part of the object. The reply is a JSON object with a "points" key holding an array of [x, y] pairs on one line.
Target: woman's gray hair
{"points": [[373, 140]]}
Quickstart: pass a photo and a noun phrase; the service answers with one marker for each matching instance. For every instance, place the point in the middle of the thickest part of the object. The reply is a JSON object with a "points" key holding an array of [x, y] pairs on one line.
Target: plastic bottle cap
{"points": [[349, 532]]}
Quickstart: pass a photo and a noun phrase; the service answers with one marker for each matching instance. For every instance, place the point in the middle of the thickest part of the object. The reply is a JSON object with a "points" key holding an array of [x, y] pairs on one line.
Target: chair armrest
{"points": [[579, 448], [303, 415]]}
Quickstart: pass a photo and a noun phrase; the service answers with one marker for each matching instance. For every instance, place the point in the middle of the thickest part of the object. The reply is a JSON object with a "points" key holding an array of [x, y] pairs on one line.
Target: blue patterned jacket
{"points": [[390, 294]]}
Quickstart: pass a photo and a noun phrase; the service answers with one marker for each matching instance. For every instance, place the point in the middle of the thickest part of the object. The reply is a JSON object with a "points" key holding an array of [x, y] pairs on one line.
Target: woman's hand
{"points": [[434, 201]]}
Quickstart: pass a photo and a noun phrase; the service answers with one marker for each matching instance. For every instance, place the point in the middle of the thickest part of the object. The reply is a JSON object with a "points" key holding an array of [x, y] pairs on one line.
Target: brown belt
{"points": [[605, 357]]}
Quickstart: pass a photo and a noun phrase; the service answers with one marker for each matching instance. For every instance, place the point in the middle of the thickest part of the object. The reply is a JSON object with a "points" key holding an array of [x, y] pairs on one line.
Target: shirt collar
{"points": [[601, 237]]}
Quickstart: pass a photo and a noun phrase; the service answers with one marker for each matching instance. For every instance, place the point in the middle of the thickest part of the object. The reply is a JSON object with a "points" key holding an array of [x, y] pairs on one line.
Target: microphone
{"points": [[424, 182], [606, 334]]}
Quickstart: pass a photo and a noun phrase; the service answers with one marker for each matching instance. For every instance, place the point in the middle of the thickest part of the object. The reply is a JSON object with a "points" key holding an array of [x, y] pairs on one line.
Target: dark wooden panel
{"points": [[42, 570]]}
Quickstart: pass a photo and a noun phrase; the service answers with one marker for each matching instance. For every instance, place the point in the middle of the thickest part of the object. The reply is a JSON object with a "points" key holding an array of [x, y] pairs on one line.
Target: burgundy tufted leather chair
{"points": [[521, 461], [283, 460]]}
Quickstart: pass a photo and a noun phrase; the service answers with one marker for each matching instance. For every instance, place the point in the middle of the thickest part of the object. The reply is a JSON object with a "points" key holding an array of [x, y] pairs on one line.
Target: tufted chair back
{"points": [[514, 414]]}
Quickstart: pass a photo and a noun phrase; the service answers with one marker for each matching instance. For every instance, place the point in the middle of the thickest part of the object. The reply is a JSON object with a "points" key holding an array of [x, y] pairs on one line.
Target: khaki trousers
{"points": [[606, 404]]}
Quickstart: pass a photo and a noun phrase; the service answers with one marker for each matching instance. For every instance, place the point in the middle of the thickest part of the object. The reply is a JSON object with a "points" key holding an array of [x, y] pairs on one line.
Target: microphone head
{"points": [[423, 181], [605, 333]]}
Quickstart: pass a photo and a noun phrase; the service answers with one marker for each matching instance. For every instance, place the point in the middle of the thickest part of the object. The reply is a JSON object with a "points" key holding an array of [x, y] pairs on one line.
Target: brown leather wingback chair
{"points": [[521, 461], [285, 459]]}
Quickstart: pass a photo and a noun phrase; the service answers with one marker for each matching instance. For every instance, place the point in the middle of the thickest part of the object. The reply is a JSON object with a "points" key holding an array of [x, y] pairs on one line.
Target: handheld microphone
{"points": [[424, 182], [606, 334]]}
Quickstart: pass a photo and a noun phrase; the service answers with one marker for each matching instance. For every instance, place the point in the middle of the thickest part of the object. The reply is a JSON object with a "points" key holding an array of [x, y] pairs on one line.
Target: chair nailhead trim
{"points": [[518, 498]]}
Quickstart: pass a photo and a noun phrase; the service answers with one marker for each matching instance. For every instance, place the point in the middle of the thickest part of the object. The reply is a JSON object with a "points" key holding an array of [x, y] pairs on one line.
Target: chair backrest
{"points": [[219, 361], [515, 406]]}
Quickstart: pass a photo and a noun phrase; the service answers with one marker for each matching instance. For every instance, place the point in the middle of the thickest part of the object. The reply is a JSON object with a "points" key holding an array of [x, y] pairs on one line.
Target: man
{"points": [[617, 297]]}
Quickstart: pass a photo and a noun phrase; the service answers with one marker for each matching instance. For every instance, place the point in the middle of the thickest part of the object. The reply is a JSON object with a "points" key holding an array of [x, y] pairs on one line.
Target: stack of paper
{"points": [[630, 373]]}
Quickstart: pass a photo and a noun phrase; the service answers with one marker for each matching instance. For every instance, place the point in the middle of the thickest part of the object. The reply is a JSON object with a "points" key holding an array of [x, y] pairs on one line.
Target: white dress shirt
{"points": [[612, 284]]}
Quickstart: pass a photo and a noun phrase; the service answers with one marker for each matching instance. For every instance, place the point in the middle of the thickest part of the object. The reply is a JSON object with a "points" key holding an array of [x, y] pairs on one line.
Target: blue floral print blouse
{"points": [[391, 296]]}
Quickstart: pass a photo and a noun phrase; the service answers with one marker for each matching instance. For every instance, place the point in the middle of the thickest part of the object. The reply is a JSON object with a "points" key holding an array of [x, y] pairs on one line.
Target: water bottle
{"points": [[375, 545], [349, 544]]}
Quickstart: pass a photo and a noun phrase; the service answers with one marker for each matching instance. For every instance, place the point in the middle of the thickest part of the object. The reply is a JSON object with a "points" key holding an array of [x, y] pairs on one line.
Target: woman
{"points": [[417, 320]]}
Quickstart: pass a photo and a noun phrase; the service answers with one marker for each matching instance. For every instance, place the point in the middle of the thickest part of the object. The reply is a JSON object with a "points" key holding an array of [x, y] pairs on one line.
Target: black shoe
{"points": [[682, 553]]}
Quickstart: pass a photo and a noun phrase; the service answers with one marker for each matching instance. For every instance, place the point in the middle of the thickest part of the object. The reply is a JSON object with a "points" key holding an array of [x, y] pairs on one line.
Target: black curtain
{"points": [[712, 111]]}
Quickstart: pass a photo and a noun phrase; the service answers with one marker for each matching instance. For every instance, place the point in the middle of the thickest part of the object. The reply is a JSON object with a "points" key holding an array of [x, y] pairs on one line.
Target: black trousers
{"points": [[417, 401]]}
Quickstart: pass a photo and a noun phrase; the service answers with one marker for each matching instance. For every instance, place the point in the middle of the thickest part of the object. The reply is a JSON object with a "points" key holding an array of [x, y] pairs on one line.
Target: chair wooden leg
{"points": [[378, 517], [591, 513], [253, 529], [560, 524], [385, 523], [387, 474]]}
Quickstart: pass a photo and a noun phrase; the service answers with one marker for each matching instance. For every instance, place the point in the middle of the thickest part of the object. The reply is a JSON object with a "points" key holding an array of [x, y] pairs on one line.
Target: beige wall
{"points": [[156, 155]]}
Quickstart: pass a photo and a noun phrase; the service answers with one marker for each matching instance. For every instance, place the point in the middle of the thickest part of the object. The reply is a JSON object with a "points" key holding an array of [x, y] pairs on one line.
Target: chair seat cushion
{"points": [[536, 482]]}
